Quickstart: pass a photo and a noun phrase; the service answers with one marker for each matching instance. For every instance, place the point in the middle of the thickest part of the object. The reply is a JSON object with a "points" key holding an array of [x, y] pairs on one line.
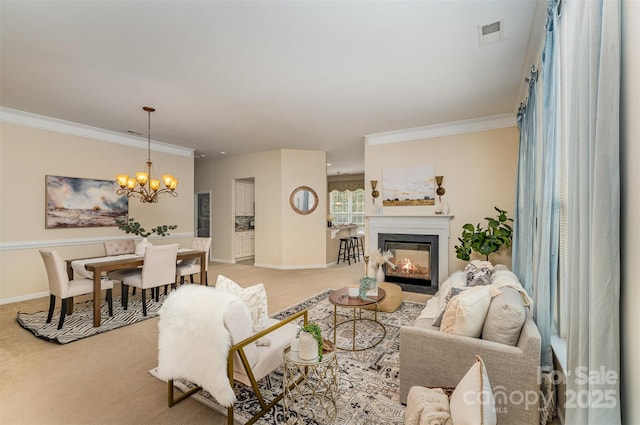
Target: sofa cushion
{"points": [[427, 406], [472, 402], [238, 323], [466, 312], [505, 318]]}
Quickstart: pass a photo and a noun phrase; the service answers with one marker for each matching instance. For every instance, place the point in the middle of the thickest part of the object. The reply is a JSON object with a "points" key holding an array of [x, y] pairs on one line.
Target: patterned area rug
{"points": [[80, 324], [368, 385]]}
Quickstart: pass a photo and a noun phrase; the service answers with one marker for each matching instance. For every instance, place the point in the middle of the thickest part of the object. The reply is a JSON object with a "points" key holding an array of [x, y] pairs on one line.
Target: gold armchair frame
{"points": [[239, 348]]}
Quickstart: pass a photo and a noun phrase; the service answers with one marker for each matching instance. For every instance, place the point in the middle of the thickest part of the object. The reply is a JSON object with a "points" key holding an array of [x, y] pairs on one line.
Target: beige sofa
{"points": [[431, 358]]}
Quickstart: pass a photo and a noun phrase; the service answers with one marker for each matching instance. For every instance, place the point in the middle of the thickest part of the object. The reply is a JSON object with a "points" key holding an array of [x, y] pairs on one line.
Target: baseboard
{"points": [[26, 297]]}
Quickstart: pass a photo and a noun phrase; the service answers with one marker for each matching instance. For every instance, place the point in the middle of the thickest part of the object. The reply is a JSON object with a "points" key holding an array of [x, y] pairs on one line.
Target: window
{"points": [[347, 207]]}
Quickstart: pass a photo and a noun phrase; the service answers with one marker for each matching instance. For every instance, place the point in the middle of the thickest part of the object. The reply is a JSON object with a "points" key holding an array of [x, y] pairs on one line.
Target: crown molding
{"points": [[444, 129], [27, 119]]}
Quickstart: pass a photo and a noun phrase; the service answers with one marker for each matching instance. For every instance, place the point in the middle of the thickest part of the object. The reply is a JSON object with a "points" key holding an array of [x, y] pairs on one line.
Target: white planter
{"points": [[294, 343], [142, 246], [307, 346]]}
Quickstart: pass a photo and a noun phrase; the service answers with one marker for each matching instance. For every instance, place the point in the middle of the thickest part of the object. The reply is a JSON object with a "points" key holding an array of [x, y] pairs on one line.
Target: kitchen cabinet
{"points": [[244, 244], [245, 194]]}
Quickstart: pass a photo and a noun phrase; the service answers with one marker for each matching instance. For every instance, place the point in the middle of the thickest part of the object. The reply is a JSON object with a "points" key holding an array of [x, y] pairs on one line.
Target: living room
{"points": [[479, 169]]}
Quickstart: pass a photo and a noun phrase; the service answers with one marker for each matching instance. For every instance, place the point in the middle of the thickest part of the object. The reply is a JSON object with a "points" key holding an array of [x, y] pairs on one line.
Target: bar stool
{"points": [[346, 250], [358, 246]]}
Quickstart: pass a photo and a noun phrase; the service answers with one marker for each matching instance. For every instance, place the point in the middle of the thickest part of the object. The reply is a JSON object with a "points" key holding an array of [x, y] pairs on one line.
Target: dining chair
{"points": [[158, 269], [118, 247], [193, 266], [61, 286]]}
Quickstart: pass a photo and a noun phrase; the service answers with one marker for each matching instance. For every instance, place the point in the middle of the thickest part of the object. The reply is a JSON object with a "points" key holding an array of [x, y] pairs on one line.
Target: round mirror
{"points": [[303, 200]]}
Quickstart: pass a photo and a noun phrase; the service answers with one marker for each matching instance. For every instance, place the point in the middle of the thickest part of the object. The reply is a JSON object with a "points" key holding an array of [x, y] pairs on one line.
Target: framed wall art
{"points": [[78, 202], [408, 186]]}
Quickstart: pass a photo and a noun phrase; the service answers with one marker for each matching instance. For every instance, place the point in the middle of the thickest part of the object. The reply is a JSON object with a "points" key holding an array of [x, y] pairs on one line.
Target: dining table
{"points": [[103, 265]]}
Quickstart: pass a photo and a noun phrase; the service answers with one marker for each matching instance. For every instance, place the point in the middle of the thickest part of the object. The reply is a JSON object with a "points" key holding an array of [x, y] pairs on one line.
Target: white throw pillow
{"points": [[469, 308], [255, 297], [457, 279], [472, 402]]}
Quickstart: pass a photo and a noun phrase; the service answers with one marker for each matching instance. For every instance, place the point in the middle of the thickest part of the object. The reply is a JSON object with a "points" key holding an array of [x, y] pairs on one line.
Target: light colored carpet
{"points": [[104, 379]]}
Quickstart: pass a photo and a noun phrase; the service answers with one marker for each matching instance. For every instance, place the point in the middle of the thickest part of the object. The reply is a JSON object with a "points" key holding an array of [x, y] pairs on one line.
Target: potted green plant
{"points": [[496, 236], [310, 343], [132, 226]]}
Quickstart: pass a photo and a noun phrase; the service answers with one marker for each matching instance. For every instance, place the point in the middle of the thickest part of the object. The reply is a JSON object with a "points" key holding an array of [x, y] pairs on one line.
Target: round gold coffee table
{"points": [[340, 298]]}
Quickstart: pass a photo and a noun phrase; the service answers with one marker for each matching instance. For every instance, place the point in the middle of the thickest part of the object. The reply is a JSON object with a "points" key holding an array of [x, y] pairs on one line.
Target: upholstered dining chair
{"points": [[119, 247], [158, 269], [192, 266], [61, 286]]}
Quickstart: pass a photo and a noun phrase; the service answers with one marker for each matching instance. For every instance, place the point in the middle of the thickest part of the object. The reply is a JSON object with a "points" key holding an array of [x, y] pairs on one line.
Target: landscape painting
{"points": [[78, 202], [408, 186]]}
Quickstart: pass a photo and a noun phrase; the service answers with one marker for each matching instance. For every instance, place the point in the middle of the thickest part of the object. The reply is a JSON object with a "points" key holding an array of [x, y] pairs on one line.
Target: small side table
{"points": [[310, 387], [340, 298]]}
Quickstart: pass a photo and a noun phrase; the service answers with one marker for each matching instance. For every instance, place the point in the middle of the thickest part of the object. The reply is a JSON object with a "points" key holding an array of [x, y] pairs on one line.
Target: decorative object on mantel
{"points": [[310, 342], [132, 226], [408, 186], [495, 237], [144, 185]]}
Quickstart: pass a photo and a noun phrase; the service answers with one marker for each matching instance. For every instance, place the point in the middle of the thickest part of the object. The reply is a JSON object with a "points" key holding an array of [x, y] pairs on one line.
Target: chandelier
{"points": [[144, 185]]}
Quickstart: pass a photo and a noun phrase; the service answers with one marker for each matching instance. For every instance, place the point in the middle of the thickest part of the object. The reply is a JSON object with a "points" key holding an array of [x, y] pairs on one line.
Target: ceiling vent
{"points": [[491, 33]]}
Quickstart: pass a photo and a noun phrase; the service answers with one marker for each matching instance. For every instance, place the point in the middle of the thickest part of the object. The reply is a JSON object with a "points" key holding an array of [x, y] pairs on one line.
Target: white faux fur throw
{"points": [[193, 342], [502, 278]]}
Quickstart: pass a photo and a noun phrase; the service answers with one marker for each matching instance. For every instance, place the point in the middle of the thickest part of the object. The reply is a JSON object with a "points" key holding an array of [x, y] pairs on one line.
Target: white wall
{"points": [[479, 172], [27, 155], [283, 239], [630, 220]]}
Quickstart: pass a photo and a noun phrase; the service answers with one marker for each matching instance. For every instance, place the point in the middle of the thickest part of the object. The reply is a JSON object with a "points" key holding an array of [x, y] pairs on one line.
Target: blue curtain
{"points": [[535, 244], [593, 340], [524, 222]]}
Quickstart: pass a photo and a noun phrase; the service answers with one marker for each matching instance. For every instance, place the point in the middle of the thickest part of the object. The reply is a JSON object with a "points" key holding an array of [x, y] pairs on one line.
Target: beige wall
{"points": [[630, 223], [479, 172], [28, 154], [280, 234]]}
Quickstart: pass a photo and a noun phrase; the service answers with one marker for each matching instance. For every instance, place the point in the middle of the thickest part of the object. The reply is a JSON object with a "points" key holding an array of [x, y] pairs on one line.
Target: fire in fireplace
{"points": [[415, 258]]}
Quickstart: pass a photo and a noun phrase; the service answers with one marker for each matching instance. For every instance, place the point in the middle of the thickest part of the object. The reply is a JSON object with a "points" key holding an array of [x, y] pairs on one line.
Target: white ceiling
{"points": [[244, 76]]}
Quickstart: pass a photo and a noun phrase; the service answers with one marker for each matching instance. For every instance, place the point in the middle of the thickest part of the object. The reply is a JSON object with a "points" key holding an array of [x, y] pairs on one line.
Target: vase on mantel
{"points": [[142, 246]]}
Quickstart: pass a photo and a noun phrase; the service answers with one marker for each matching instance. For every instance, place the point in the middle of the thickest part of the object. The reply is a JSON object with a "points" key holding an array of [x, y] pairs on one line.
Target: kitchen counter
{"points": [[333, 239]]}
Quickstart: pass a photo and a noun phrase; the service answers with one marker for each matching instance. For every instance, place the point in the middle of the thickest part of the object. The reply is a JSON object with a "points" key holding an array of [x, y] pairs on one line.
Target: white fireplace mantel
{"points": [[415, 225]]}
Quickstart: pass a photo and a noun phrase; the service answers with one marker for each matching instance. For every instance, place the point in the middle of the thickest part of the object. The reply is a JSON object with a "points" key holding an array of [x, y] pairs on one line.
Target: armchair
{"points": [[216, 326]]}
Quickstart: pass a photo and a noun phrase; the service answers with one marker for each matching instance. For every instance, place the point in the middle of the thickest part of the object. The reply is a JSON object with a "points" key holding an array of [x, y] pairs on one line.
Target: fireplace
{"points": [[415, 258], [436, 226]]}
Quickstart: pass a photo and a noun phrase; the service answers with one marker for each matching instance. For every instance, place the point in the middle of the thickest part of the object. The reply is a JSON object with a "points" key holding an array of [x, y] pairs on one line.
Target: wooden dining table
{"points": [[100, 267]]}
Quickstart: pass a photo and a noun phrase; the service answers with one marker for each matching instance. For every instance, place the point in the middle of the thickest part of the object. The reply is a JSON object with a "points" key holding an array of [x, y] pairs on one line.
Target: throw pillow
{"points": [[255, 297], [477, 268], [457, 279], [466, 312], [238, 322], [427, 406], [452, 293], [505, 318], [472, 402]]}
